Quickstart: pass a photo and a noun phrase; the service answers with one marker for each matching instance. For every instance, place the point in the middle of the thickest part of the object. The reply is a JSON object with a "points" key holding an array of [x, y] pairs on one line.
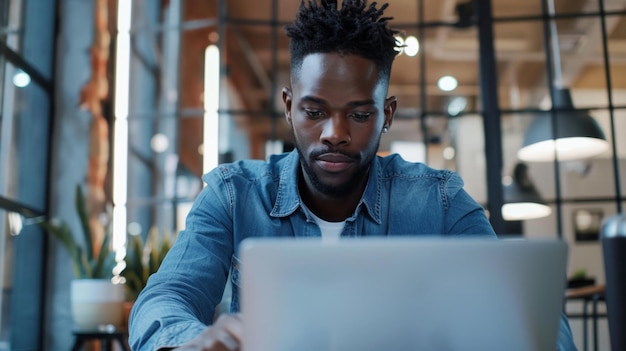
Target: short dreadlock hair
{"points": [[355, 29]]}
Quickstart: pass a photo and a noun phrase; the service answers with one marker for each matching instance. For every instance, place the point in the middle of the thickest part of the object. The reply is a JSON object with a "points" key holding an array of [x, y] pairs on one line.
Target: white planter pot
{"points": [[96, 303]]}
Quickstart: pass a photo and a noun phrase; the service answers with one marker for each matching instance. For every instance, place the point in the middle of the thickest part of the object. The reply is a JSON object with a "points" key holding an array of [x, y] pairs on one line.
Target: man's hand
{"points": [[224, 335]]}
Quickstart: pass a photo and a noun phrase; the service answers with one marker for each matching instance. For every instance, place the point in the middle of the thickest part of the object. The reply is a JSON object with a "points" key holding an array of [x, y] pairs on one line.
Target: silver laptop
{"points": [[404, 293]]}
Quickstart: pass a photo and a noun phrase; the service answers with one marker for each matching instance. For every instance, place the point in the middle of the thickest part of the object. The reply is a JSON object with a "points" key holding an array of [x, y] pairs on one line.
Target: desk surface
{"points": [[585, 292]]}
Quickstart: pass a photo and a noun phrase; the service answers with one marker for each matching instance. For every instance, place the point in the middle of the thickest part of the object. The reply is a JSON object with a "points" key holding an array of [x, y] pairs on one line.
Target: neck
{"points": [[329, 208]]}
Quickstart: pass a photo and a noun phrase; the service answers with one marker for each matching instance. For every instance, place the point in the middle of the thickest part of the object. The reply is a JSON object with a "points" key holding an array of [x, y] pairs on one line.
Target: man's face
{"points": [[337, 110]]}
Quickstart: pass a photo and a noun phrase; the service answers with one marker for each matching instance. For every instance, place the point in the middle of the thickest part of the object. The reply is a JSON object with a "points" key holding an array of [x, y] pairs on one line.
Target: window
{"points": [[25, 91]]}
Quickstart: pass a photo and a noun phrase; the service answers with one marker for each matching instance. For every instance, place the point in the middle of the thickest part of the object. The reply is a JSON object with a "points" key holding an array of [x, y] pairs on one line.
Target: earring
{"points": [[385, 129]]}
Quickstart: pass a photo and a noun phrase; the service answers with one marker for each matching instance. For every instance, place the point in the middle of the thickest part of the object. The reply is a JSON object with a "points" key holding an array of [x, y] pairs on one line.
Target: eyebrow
{"points": [[350, 104]]}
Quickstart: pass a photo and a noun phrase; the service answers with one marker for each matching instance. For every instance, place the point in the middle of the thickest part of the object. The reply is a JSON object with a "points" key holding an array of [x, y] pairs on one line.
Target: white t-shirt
{"points": [[331, 231]]}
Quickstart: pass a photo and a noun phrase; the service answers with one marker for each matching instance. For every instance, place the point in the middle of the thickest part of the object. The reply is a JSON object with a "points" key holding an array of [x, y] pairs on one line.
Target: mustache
{"points": [[318, 152]]}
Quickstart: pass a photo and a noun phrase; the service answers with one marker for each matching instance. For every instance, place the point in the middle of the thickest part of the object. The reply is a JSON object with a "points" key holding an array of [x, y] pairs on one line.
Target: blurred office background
{"points": [[136, 99]]}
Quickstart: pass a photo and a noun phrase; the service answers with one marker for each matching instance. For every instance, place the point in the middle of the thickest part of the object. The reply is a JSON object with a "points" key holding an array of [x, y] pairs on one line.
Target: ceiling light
{"points": [[412, 46], [449, 153], [577, 135], [211, 101], [457, 105], [524, 210], [21, 79], [521, 199], [565, 132], [159, 143], [447, 83], [133, 228]]}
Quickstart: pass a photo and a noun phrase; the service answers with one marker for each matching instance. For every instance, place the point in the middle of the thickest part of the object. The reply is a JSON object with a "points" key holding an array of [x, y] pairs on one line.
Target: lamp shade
{"points": [[577, 136], [521, 198]]}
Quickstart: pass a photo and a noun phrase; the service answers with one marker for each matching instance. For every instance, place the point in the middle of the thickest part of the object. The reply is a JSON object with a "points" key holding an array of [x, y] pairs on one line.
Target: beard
{"points": [[340, 190]]}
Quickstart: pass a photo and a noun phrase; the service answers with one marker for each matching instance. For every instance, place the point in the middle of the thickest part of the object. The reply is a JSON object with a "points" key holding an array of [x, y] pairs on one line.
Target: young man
{"points": [[332, 185]]}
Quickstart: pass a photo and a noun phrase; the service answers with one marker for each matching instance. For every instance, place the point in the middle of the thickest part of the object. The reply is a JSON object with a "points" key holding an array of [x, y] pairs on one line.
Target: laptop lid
{"points": [[404, 293]]}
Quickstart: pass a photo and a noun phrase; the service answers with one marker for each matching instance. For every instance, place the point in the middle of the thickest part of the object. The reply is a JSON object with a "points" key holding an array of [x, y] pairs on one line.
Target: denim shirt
{"points": [[257, 198]]}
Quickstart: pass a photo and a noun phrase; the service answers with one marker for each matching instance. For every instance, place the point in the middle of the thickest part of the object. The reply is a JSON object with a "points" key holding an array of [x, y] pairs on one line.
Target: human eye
{"points": [[313, 114], [360, 116]]}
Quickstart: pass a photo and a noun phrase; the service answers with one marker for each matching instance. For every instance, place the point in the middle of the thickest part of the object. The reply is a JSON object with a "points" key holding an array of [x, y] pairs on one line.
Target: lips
{"points": [[334, 162]]}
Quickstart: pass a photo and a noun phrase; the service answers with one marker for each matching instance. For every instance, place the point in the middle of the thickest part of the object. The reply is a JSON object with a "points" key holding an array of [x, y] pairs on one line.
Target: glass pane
{"points": [[521, 61], [580, 230], [405, 135], [38, 40], [258, 9], [407, 12], [614, 5], [406, 75], [575, 6], [10, 23], [404, 138], [582, 64], [403, 12], [192, 11], [616, 29], [542, 228], [287, 10], [534, 8], [620, 144], [25, 111], [467, 134], [24, 102], [521, 8], [6, 263], [452, 70], [3, 72], [159, 171], [513, 129], [253, 106], [255, 71]]}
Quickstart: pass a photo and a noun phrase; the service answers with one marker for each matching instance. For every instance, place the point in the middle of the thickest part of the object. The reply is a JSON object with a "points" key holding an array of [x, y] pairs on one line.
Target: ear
{"points": [[391, 104], [287, 96]]}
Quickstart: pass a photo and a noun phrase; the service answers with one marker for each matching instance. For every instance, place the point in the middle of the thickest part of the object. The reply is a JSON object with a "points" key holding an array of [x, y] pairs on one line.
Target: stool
{"points": [[106, 339]]}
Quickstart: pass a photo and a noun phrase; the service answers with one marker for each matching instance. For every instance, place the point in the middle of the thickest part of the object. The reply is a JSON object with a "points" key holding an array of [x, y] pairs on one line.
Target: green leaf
{"points": [[143, 259], [102, 265], [84, 266], [81, 208], [84, 263]]}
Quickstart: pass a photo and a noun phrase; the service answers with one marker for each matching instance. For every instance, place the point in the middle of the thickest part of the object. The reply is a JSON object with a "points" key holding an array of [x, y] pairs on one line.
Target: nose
{"points": [[336, 131]]}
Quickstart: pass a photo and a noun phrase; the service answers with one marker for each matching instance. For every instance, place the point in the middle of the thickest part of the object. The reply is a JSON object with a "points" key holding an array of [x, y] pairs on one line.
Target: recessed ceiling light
{"points": [[21, 79], [447, 83], [457, 105], [159, 143], [449, 153], [412, 46]]}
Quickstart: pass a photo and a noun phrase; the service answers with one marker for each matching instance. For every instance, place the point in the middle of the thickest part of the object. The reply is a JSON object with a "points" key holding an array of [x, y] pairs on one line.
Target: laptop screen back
{"points": [[401, 294]]}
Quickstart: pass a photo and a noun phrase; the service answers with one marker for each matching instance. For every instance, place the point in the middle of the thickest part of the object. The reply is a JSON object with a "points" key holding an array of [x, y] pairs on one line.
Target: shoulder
{"points": [[394, 167]]}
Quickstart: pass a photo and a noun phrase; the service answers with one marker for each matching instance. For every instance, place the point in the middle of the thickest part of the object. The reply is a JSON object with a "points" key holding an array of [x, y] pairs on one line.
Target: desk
{"points": [[106, 339], [589, 294]]}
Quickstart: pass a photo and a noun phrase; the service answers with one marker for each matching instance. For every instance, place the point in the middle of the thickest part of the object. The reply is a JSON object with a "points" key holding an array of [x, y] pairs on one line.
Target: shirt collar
{"points": [[288, 198]]}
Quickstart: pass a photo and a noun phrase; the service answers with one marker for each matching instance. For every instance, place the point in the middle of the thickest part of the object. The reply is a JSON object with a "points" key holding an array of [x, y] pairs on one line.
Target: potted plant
{"points": [[143, 259], [95, 300], [580, 279]]}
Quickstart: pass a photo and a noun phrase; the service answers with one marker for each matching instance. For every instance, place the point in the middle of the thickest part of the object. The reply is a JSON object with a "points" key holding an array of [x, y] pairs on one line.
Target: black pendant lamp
{"points": [[565, 132], [521, 199], [577, 134]]}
